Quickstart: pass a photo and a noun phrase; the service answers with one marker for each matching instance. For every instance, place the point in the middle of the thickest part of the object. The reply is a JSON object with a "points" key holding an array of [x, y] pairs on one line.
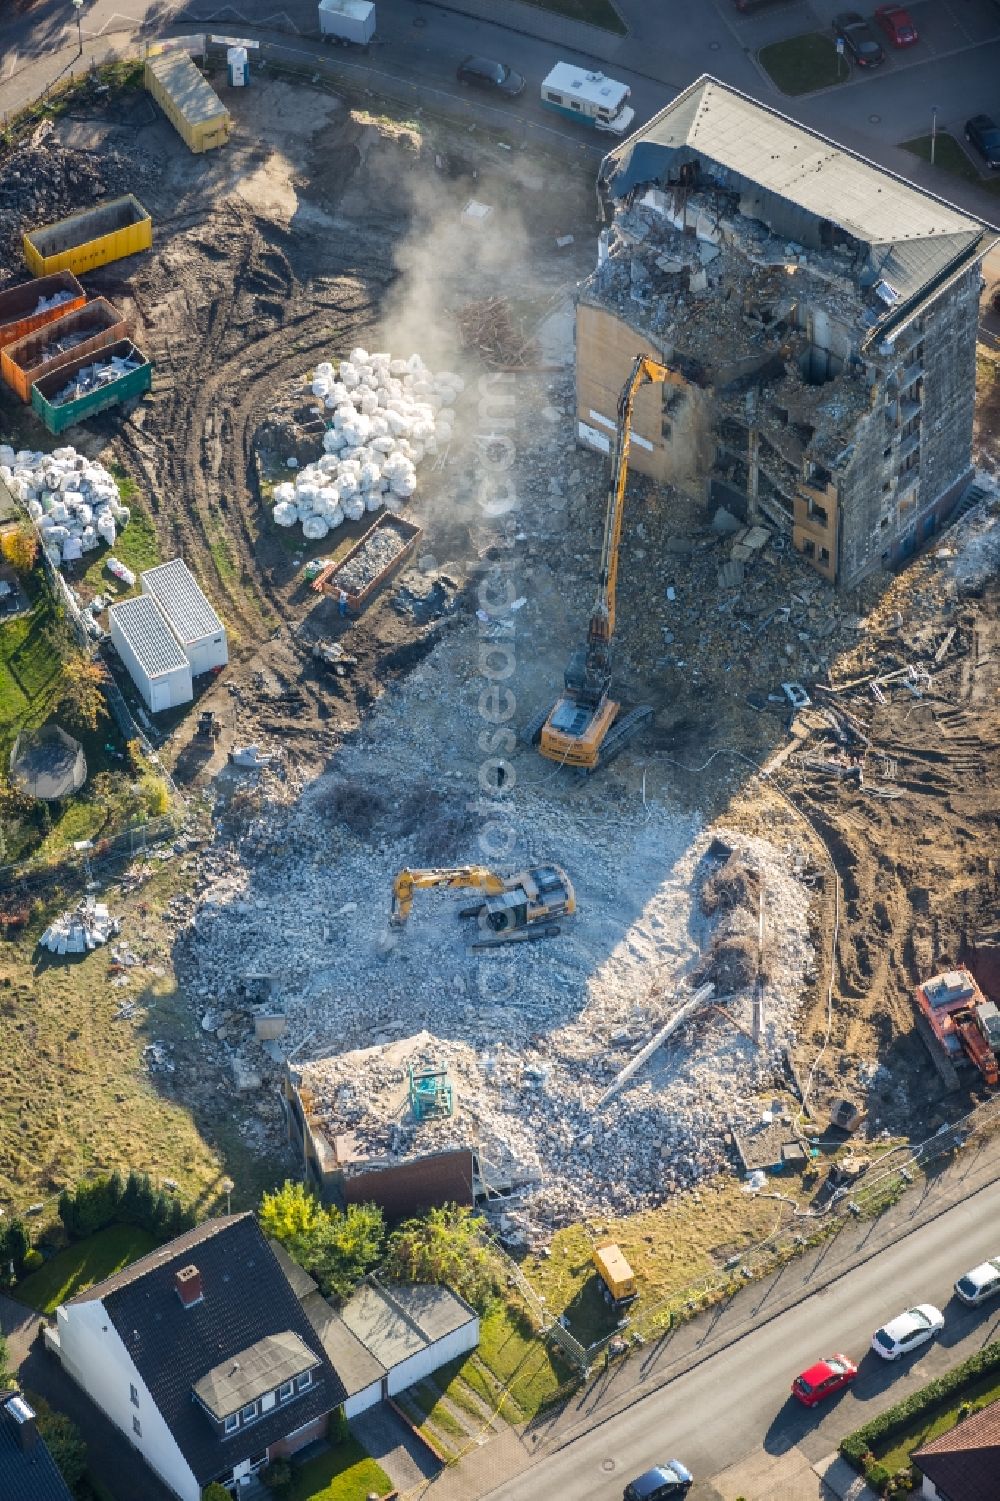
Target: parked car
{"points": [[750, 7], [897, 24], [487, 73], [983, 132], [911, 1329], [661, 1483], [823, 1379], [981, 1283], [858, 38]]}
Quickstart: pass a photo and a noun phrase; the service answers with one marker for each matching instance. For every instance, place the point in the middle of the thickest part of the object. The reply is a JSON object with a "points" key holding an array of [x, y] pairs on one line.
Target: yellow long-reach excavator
{"points": [[584, 728], [513, 908]]}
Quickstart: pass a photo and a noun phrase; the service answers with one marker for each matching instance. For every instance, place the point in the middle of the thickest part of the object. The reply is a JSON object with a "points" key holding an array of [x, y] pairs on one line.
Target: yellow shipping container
{"points": [[188, 100], [89, 239]]}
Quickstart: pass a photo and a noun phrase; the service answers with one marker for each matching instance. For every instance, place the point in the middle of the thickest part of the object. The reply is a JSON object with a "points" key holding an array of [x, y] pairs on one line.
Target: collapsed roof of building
{"points": [[756, 255]]}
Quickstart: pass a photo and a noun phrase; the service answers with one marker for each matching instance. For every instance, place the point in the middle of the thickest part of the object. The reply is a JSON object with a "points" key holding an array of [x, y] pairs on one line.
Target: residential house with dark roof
{"points": [[27, 1470], [817, 314], [964, 1463], [202, 1355]]}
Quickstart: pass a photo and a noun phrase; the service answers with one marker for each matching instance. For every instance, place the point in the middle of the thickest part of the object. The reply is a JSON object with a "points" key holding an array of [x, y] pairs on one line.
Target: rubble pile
{"points": [[87, 927], [73, 501], [388, 415], [730, 294], [41, 181], [531, 1034]]}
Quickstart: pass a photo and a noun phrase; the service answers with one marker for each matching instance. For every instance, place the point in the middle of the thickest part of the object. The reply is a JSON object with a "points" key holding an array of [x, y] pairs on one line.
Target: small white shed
{"points": [[149, 649], [198, 630]]}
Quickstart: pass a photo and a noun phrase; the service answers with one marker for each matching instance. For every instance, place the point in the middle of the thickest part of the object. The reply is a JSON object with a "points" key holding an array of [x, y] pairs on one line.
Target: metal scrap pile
{"points": [[92, 377], [488, 329]]}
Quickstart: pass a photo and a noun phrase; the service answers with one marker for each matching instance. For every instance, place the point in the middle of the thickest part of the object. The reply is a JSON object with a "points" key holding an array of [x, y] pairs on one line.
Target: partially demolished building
{"points": [[820, 312]]}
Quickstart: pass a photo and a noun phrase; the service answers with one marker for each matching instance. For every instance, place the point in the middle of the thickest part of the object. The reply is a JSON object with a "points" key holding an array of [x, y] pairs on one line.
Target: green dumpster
{"points": [[58, 417]]}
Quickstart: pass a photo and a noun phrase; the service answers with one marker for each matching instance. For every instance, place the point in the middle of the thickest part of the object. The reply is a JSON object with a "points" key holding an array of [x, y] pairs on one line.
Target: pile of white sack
{"points": [[73, 501], [387, 415]]}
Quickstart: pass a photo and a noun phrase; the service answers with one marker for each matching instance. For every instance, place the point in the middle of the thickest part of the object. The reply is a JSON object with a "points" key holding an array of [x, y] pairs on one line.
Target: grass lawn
{"points": [[135, 546], [29, 670], [668, 1248], [529, 1370], [82, 1264], [950, 157], [803, 63], [596, 12], [896, 1455], [74, 1095], [343, 1473]]}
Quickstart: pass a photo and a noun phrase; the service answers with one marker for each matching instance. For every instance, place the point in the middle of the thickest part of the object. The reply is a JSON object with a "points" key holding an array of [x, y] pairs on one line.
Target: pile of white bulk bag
{"points": [[386, 415], [73, 501]]}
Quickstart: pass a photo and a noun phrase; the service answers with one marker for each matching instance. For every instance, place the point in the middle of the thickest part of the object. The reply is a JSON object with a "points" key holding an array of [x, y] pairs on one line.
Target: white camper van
{"points": [[589, 97]]}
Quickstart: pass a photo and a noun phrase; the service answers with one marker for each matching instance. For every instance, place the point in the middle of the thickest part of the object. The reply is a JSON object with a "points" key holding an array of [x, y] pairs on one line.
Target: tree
{"points": [[15, 1243], [215, 1492], [63, 1441], [444, 1245], [81, 701], [6, 1374], [291, 1216], [345, 1248], [336, 1248], [19, 545]]}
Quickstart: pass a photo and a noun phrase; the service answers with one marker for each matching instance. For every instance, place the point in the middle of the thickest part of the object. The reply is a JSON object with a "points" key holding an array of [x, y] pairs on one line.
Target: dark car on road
{"points": [[751, 7], [858, 38], [661, 1483], [984, 133], [487, 73]]}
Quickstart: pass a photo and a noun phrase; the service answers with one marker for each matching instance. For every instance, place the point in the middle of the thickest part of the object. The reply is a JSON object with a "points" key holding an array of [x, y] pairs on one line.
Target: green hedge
{"points": [[857, 1445]]}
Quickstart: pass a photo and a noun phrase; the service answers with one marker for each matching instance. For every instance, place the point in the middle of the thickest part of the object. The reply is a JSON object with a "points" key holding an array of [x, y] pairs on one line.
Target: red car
{"points": [[897, 24], [823, 1379]]}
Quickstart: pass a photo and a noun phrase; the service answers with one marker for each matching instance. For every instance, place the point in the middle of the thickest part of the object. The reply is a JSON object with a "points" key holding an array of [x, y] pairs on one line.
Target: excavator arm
{"points": [[459, 877], [645, 371]]}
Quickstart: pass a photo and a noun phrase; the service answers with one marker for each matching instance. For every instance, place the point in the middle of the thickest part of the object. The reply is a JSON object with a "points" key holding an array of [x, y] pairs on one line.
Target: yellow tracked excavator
{"points": [[585, 728], [514, 908]]}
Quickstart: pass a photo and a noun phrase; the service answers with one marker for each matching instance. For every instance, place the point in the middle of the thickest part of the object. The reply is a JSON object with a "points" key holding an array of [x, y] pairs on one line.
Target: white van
{"points": [[589, 97]]}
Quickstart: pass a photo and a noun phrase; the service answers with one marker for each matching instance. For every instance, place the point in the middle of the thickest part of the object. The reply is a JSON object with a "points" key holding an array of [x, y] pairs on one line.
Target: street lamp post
{"points": [[78, 7], [227, 1185], [934, 114]]}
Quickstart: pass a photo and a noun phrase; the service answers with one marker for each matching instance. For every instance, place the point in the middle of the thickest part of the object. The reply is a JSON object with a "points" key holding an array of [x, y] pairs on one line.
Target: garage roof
{"points": [[398, 1320], [144, 628], [356, 1366], [175, 588]]}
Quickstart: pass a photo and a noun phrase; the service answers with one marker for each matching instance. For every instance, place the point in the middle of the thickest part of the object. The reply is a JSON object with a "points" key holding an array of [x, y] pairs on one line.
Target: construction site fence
{"points": [[73, 864], [867, 1199], [362, 81]]}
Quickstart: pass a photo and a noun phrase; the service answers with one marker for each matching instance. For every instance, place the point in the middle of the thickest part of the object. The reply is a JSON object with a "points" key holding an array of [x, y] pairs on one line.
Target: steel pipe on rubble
{"points": [[703, 994]]}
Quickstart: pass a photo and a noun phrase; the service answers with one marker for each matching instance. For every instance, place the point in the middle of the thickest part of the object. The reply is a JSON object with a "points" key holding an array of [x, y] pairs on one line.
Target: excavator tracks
{"points": [[622, 731]]}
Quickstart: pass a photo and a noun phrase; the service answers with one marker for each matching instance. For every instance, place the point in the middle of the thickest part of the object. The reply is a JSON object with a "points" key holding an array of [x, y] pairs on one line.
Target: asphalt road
{"points": [[738, 1401]]}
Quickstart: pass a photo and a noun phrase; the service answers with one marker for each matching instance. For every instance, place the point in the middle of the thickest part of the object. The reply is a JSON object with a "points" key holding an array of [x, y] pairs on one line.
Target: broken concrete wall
{"points": [[672, 427], [949, 391]]}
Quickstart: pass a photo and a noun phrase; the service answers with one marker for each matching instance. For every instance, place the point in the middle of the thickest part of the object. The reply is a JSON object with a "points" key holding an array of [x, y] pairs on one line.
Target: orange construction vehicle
{"points": [[963, 1020]]}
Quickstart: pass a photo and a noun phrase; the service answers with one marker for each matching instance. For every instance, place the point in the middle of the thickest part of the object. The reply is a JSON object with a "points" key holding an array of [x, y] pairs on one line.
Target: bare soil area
{"points": [[319, 228]]}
